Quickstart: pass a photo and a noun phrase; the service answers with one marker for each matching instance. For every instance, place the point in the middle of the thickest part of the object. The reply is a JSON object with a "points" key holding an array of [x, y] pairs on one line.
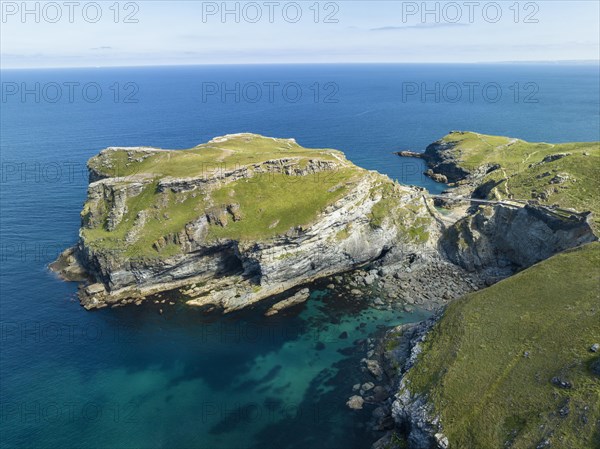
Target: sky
{"points": [[113, 33]]}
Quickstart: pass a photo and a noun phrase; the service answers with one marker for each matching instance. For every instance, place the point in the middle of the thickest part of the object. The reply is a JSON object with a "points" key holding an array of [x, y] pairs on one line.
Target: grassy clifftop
{"points": [[229, 151], [229, 179], [566, 174], [148, 203], [488, 365]]}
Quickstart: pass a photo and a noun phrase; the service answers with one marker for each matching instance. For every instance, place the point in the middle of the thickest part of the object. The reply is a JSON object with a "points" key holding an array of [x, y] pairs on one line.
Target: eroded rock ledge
{"points": [[146, 231], [533, 210]]}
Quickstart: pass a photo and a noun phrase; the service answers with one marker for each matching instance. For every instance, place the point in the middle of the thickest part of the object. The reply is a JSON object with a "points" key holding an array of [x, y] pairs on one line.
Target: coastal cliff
{"points": [[244, 218], [513, 365], [236, 220], [503, 239]]}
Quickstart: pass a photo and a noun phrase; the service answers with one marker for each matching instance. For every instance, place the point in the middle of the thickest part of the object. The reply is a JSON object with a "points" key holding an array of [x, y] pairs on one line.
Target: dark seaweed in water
{"points": [[131, 377]]}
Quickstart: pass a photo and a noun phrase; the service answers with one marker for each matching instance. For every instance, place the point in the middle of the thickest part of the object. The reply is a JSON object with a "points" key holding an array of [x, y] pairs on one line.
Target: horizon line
{"points": [[542, 61]]}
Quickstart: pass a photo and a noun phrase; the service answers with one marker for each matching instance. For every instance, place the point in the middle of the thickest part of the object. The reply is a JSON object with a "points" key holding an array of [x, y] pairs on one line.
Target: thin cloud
{"points": [[420, 26], [101, 48]]}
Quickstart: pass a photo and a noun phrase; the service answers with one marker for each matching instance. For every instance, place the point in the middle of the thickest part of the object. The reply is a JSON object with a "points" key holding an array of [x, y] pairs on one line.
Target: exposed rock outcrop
{"points": [[441, 161], [504, 238], [411, 412], [370, 216], [255, 270], [293, 300]]}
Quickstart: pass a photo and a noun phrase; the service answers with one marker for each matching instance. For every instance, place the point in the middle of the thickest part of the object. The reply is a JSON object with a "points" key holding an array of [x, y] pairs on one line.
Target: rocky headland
{"points": [[268, 217], [244, 218], [448, 385]]}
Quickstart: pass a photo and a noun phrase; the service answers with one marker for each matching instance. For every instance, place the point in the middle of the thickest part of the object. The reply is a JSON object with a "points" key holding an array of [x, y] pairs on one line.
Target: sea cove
{"points": [[185, 378]]}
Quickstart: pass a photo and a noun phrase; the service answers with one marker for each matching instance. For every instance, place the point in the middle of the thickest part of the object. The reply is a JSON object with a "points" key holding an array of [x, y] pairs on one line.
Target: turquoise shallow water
{"points": [[186, 379], [132, 378]]}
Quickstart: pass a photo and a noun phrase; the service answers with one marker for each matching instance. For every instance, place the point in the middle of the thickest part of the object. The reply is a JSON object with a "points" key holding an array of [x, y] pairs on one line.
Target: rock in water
{"points": [[375, 368], [355, 402], [298, 298], [368, 386]]}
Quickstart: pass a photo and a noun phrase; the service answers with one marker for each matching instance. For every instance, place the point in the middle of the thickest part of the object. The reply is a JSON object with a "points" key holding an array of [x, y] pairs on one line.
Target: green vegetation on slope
{"points": [[488, 364], [165, 214], [571, 181], [219, 154], [408, 217], [266, 204], [273, 204]]}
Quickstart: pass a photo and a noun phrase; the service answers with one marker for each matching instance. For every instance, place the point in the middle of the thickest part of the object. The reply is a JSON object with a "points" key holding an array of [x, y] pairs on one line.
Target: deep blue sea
{"points": [[132, 378]]}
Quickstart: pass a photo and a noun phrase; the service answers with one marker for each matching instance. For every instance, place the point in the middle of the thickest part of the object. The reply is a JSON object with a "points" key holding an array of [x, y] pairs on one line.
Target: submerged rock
{"points": [[374, 368], [367, 386], [355, 402]]}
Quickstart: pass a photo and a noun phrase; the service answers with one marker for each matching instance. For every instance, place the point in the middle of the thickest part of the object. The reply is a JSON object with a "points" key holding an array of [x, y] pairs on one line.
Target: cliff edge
{"points": [[238, 219]]}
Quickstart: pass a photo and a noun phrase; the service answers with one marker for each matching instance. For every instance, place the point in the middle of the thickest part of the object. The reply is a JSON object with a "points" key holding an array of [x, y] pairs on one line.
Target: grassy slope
{"points": [[517, 179], [475, 372], [236, 151], [270, 204], [473, 367]]}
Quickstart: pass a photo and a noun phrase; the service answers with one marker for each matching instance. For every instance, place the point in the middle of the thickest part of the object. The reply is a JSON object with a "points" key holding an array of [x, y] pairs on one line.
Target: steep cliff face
{"points": [[510, 365], [442, 158], [504, 238], [538, 216], [268, 216]]}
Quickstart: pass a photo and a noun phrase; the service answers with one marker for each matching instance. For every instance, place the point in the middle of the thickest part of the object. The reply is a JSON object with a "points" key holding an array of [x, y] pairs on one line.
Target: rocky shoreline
{"points": [[403, 416], [445, 167], [441, 162], [379, 239], [211, 265], [397, 416], [493, 242]]}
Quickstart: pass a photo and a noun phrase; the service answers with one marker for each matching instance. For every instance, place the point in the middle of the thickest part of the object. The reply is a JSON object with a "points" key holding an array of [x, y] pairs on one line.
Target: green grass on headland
{"points": [[273, 204], [488, 364], [259, 207], [533, 171], [225, 154]]}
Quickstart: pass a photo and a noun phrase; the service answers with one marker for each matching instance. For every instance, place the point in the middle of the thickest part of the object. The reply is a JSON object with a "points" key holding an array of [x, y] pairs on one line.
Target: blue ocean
{"points": [[133, 378]]}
